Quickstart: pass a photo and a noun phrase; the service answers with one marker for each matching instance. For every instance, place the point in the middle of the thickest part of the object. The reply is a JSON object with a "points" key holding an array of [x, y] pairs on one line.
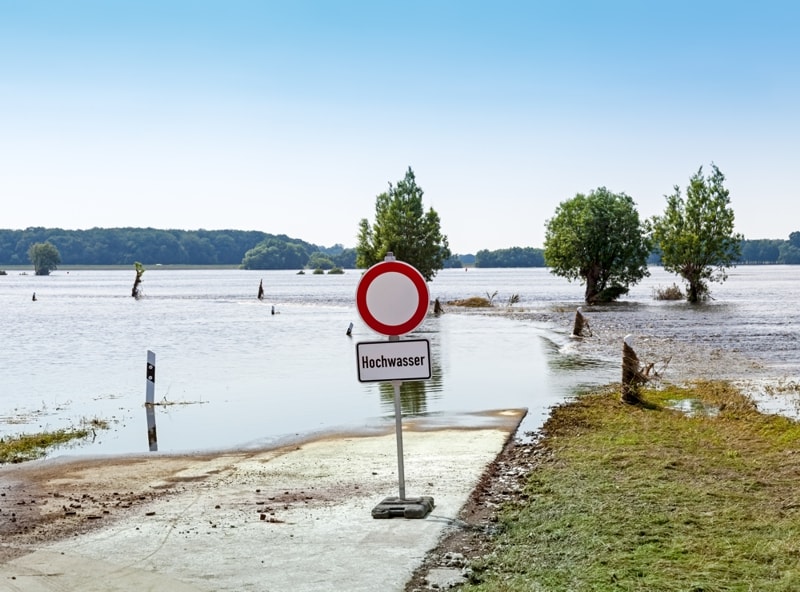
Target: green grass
{"points": [[648, 498], [25, 447]]}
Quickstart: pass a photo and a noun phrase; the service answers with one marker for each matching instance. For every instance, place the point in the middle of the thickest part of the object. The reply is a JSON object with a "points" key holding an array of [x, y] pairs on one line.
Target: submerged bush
{"points": [[473, 302], [672, 292]]}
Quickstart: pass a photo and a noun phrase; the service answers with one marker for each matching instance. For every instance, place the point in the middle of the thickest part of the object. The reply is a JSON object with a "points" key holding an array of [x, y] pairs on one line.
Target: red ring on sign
{"points": [[411, 273]]}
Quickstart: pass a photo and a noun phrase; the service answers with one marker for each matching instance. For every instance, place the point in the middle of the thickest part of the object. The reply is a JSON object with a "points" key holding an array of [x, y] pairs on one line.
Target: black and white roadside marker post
{"points": [[149, 401], [392, 299]]}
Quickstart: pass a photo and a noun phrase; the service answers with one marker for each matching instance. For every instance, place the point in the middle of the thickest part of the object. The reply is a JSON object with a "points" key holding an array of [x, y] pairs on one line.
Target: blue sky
{"points": [[290, 117]]}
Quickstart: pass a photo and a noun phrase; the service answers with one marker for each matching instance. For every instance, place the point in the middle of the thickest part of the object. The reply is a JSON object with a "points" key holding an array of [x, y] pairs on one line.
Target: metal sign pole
{"points": [[398, 420], [398, 416], [398, 426]]}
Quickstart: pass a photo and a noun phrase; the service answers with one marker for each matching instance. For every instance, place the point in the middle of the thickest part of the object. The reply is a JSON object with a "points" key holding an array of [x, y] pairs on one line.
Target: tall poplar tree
{"points": [[403, 227], [695, 233]]}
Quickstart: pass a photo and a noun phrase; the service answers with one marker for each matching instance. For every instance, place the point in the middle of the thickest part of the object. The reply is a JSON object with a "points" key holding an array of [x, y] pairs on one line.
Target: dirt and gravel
{"points": [[46, 502]]}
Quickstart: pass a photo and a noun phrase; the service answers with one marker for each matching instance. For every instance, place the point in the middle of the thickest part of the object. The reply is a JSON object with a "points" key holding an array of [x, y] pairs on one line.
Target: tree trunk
{"points": [[692, 294], [592, 289]]}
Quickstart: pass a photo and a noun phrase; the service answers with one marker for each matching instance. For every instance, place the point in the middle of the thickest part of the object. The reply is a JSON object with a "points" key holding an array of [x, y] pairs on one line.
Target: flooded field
{"points": [[233, 371]]}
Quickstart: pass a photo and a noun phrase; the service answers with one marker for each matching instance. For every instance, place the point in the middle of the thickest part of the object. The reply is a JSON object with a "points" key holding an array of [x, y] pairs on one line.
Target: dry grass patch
{"points": [[472, 302], [672, 292]]}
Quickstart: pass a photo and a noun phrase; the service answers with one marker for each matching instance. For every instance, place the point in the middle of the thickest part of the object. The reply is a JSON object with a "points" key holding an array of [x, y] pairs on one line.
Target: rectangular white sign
{"points": [[393, 360]]}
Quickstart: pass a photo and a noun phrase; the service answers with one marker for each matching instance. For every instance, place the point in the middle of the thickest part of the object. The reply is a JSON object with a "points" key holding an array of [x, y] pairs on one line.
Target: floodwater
{"points": [[233, 371]]}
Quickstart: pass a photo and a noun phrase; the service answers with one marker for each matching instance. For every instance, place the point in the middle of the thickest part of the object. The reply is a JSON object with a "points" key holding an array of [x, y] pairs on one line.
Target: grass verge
{"points": [[24, 447], [652, 498]]}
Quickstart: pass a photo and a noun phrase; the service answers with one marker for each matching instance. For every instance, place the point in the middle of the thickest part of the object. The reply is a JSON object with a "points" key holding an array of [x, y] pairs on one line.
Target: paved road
{"points": [[298, 518]]}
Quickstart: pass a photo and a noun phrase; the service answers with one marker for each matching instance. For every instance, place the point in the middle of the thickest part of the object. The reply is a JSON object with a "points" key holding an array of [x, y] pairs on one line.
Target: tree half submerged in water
{"points": [[136, 291]]}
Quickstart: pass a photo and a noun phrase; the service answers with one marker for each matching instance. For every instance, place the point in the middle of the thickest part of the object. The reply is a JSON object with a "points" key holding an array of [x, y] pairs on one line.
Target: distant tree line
{"points": [[282, 252], [768, 251], [513, 257], [753, 252], [260, 250], [150, 246]]}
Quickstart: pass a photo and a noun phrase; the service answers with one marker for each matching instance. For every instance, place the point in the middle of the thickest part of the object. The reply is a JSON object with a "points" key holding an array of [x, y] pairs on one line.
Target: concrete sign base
{"points": [[413, 507]]}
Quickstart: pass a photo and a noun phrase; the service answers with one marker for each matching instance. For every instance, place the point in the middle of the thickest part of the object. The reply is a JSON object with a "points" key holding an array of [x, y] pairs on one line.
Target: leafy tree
{"points": [[198, 250], [275, 253], [346, 259], [599, 239], [513, 257], [452, 262], [319, 260], [45, 257], [468, 259], [404, 228], [790, 254], [696, 235]]}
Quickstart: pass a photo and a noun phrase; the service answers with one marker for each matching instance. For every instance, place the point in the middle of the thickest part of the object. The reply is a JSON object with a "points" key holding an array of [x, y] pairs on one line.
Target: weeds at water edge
{"points": [[25, 447]]}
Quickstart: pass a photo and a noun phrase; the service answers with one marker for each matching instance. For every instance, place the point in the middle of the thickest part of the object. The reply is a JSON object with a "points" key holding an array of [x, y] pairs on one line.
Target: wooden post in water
{"points": [[630, 372], [580, 321]]}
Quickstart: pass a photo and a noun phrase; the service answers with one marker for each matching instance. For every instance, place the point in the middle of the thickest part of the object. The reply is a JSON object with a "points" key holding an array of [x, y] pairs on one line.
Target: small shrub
{"points": [[611, 293], [336, 271], [474, 302], [319, 271], [672, 292]]}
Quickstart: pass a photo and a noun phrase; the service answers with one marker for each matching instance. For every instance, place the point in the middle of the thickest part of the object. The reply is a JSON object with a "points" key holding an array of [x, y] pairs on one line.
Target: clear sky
{"points": [[290, 116]]}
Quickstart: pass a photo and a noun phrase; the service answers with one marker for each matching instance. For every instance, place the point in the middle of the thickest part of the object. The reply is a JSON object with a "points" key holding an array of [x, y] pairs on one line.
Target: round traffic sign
{"points": [[392, 298]]}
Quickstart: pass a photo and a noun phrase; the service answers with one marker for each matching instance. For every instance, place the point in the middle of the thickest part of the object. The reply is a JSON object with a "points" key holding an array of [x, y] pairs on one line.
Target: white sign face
{"points": [[393, 360], [392, 298]]}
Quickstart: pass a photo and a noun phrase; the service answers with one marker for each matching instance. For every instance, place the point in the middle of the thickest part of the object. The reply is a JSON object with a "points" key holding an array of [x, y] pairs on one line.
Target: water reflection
{"points": [[413, 397], [152, 437], [414, 394], [569, 356]]}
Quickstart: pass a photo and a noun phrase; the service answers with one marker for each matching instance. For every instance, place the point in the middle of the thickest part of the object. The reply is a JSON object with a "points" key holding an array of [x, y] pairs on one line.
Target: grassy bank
{"points": [[651, 498]]}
